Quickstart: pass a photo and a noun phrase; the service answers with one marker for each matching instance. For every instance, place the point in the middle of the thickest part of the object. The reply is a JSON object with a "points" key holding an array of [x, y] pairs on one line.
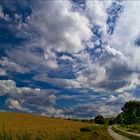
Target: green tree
{"points": [[119, 118], [99, 119], [131, 112]]}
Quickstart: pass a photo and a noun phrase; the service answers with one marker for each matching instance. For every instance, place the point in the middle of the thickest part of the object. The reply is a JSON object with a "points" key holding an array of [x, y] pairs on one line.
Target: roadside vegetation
{"points": [[129, 117], [130, 128], [128, 120], [132, 137], [130, 113]]}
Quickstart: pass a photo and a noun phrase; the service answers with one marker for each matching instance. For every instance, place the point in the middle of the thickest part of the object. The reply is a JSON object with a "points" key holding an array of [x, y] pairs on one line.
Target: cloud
{"points": [[118, 72], [108, 3], [33, 60], [12, 66], [71, 32], [69, 47], [104, 104], [1, 12], [120, 99], [91, 76], [65, 83], [2, 72], [66, 58], [67, 32], [3, 15], [112, 72], [96, 11], [6, 86], [127, 20], [67, 97], [126, 32], [14, 104], [52, 111], [112, 51], [26, 98], [88, 110]]}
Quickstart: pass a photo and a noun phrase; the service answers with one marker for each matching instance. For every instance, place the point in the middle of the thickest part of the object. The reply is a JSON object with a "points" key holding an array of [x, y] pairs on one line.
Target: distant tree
{"points": [[91, 120], [99, 119], [83, 120]]}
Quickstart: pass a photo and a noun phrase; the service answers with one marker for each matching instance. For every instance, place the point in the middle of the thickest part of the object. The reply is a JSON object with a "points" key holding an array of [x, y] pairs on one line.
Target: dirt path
{"points": [[115, 135]]}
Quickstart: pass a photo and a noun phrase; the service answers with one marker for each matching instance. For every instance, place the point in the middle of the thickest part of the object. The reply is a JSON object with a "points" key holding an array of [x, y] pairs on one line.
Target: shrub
{"points": [[85, 129], [112, 121], [99, 119]]}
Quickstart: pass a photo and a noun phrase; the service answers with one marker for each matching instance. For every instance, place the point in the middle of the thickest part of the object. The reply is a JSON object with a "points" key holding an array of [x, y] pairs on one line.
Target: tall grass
{"points": [[85, 133], [14, 126], [8, 135]]}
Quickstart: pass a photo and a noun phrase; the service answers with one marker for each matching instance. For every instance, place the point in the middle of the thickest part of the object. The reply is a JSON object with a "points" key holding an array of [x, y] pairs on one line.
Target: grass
{"points": [[131, 128], [16, 126], [132, 137]]}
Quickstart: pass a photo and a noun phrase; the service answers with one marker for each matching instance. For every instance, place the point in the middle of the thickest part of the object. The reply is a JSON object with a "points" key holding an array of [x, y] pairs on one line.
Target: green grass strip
{"points": [[131, 136]]}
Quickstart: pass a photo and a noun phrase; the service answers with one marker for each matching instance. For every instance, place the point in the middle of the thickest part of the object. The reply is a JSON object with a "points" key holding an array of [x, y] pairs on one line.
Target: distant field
{"points": [[15, 126]]}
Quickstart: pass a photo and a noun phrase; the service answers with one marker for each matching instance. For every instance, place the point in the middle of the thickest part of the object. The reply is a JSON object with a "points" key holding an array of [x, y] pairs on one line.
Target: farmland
{"points": [[16, 126]]}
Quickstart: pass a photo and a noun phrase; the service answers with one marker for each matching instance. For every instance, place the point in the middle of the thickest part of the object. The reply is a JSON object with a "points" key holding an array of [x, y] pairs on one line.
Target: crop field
{"points": [[16, 126]]}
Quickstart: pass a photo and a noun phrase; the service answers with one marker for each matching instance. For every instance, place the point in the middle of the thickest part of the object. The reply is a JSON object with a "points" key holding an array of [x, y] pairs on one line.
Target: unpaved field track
{"points": [[115, 135]]}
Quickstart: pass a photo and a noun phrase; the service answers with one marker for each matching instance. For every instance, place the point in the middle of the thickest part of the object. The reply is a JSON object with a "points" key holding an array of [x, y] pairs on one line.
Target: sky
{"points": [[69, 58]]}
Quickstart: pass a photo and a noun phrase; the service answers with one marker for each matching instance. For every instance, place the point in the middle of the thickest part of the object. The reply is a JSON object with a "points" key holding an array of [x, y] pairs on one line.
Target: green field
{"points": [[16, 126]]}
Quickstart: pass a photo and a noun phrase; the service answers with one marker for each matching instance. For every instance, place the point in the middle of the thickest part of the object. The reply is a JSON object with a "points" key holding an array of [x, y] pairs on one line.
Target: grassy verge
{"points": [[131, 128], [132, 137], [97, 132]]}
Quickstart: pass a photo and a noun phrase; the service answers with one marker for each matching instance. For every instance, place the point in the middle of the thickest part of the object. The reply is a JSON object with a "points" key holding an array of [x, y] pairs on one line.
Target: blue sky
{"points": [[69, 58]]}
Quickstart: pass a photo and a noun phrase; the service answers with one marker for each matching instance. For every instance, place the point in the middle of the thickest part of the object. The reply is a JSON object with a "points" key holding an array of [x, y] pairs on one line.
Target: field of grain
{"points": [[16, 126]]}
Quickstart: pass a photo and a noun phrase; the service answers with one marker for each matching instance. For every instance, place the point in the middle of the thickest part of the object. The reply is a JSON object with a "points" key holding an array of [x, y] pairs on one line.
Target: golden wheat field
{"points": [[16, 126]]}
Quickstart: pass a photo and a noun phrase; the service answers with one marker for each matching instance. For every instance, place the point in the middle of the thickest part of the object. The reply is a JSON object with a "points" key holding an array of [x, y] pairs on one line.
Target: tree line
{"points": [[130, 115]]}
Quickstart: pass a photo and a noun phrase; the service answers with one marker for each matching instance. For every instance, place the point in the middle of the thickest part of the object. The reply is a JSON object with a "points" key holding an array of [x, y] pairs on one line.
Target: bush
{"points": [[112, 121], [90, 121], [99, 119], [85, 129]]}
